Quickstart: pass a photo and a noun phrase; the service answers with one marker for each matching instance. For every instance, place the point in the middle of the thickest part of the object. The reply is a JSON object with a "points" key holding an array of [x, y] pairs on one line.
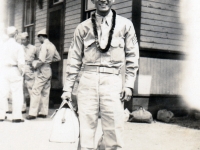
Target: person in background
{"points": [[29, 76], [13, 63], [42, 84]]}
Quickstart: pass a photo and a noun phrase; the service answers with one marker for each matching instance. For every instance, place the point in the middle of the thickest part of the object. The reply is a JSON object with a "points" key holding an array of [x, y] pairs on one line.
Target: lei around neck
{"points": [[94, 24]]}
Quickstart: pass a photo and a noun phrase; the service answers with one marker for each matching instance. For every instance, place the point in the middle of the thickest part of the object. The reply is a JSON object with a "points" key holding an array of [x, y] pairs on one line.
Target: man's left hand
{"points": [[127, 94]]}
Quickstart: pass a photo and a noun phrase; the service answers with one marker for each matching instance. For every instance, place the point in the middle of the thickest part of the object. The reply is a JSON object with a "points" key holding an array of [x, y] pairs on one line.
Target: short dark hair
{"points": [[43, 35]]}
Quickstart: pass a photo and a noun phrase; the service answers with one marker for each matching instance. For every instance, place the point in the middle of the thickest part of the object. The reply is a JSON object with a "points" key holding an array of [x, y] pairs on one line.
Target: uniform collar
{"points": [[108, 18], [46, 40]]}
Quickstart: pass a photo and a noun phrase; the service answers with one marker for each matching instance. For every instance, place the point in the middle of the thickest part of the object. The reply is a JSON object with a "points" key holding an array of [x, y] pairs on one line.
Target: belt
{"points": [[102, 69]]}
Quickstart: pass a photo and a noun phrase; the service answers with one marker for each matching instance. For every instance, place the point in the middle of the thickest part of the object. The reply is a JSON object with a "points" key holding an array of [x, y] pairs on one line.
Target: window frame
{"points": [[26, 26], [84, 11]]}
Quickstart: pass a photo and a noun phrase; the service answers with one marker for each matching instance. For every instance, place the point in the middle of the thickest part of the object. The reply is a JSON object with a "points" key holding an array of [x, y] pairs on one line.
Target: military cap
{"points": [[24, 35], [11, 30], [42, 32]]}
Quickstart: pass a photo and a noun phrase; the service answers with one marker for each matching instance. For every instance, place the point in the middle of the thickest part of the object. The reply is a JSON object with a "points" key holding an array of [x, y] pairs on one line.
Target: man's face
{"points": [[40, 38], [103, 6], [24, 41]]}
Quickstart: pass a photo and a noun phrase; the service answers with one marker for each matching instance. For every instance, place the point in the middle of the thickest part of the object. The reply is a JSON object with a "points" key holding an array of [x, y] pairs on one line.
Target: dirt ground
{"points": [[34, 135]]}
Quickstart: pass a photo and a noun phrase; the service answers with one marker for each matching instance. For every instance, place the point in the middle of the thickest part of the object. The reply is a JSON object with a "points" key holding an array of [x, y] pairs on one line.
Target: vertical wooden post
{"points": [[136, 17]]}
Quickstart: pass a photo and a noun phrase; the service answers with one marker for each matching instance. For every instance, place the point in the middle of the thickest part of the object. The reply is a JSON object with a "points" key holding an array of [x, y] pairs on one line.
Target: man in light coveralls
{"points": [[13, 62], [29, 76], [102, 44], [42, 84]]}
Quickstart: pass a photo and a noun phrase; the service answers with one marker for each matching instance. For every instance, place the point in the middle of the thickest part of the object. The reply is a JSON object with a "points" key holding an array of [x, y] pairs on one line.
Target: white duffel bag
{"points": [[65, 125]]}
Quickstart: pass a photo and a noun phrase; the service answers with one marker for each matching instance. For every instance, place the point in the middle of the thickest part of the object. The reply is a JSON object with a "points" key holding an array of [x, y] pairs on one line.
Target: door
{"points": [[55, 28]]}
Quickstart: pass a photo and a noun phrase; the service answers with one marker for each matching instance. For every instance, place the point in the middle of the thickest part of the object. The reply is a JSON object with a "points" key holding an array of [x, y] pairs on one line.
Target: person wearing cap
{"points": [[29, 76], [42, 84], [103, 44], [13, 63]]}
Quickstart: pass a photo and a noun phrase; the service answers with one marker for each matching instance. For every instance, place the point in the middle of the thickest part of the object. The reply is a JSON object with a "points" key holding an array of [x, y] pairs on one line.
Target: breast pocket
{"points": [[90, 51], [117, 50]]}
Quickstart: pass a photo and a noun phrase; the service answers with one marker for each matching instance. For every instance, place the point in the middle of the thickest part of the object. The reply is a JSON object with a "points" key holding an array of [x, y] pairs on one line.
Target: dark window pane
{"points": [[29, 12], [30, 31], [55, 1]]}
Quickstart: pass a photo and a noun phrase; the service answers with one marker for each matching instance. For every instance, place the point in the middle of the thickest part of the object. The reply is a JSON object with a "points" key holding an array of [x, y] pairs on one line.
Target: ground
{"points": [[34, 135]]}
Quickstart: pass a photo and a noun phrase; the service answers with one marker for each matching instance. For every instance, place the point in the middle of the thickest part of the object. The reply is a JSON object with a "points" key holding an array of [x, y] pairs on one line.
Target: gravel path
{"points": [[34, 135]]}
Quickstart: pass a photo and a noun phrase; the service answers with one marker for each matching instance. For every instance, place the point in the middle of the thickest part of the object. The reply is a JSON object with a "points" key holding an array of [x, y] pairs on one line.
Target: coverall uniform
{"points": [[29, 76], [11, 77], [100, 84], [42, 84]]}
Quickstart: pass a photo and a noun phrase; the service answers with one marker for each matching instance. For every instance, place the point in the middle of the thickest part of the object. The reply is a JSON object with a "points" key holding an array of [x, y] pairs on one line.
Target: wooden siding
{"points": [[165, 75], [72, 19], [160, 25], [124, 8], [40, 20], [19, 7]]}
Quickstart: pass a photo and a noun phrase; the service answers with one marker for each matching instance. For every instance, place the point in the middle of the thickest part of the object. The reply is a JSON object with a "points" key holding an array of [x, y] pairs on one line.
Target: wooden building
{"points": [[159, 32]]}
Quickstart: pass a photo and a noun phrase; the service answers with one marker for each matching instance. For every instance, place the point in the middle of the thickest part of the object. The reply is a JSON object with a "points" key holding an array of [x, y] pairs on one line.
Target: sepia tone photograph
{"points": [[99, 75]]}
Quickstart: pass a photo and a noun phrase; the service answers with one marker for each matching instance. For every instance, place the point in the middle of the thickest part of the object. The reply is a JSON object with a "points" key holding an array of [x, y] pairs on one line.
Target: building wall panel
{"points": [[165, 75], [160, 25], [19, 7], [40, 20]]}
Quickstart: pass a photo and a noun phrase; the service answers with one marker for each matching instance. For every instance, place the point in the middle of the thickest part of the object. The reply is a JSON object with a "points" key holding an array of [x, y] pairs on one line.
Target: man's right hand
{"points": [[66, 96]]}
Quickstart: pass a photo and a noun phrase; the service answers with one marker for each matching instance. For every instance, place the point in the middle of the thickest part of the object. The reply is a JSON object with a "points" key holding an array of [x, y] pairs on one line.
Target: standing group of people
{"points": [[102, 45], [26, 71]]}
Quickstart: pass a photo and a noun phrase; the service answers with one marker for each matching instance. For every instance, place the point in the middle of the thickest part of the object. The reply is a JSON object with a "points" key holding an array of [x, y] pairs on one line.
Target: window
{"points": [[29, 19], [88, 9]]}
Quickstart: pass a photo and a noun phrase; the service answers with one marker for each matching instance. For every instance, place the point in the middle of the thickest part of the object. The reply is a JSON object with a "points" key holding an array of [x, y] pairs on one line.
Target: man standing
{"points": [[42, 84], [29, 76], [12, 76], [102, 44]]}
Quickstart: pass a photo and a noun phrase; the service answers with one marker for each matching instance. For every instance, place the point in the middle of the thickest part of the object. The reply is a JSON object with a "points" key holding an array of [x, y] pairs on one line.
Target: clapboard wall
{"points": [[160, 25], [19, 6], [40, 20], [123, 8], [72, 19]]}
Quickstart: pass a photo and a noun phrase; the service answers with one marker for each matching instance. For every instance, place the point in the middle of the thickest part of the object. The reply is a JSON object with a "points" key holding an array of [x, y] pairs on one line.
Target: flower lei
{"points": [[110, 32]]}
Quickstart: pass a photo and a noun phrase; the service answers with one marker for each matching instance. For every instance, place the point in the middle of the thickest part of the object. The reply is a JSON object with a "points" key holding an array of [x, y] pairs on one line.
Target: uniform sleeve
{"points": [[41, 58], [74, 61], [56, 56], [131, 56], [43, 53], [21, 59]]}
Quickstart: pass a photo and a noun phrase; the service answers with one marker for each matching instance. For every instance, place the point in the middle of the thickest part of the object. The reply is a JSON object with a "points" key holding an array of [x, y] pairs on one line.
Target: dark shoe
{"points": [[41, 116], [29, 117], [9, 112], [23, 112], [17, 120], [1, 120]]}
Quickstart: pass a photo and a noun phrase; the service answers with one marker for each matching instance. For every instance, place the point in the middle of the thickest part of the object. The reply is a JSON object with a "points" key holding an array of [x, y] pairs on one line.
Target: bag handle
{"points": [[61, 106]]}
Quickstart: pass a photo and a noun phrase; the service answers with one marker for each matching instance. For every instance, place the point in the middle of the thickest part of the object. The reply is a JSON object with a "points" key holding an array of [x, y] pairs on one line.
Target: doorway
{"points": [[55, 28]]}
